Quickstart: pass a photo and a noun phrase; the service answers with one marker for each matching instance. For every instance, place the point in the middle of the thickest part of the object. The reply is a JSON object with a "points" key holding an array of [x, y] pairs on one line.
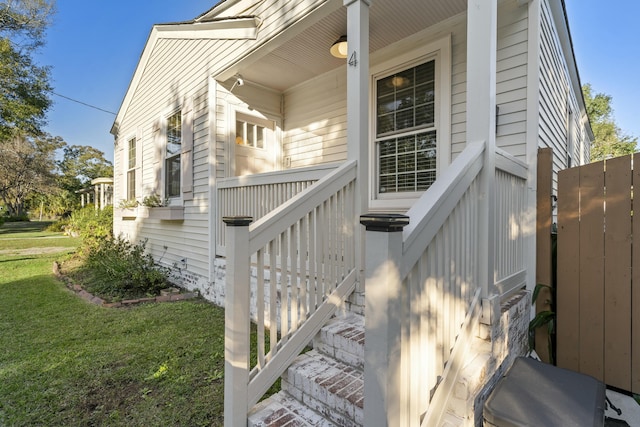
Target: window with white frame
{"points": [[172, 155], [131, 168], [406, 130], [250, 134]]}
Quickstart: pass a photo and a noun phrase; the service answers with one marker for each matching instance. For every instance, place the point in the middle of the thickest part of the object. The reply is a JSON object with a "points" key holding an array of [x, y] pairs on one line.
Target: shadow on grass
{"points": [[24, 227], [17, 259]]}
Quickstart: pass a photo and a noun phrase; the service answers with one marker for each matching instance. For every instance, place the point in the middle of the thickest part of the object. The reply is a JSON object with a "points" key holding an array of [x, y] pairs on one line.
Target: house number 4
{"points": [[353, 59]]}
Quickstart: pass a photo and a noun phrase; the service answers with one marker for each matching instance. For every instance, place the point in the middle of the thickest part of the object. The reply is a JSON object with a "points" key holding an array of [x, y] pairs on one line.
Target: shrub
{"points": [[58, 226], [92, 225], [118, 269]]}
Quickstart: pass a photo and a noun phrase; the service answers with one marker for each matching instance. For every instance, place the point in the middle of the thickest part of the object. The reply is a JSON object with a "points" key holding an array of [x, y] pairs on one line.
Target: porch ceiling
{"points": [[307, 55]]}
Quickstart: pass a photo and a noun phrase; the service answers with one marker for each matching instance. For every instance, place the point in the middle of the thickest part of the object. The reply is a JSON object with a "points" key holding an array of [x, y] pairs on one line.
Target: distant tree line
{"points": [[36, 169]]}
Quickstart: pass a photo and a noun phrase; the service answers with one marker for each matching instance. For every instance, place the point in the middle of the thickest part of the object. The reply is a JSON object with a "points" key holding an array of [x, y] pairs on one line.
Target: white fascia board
{"points": [[227, 29], [561, 21], [224, 6]]}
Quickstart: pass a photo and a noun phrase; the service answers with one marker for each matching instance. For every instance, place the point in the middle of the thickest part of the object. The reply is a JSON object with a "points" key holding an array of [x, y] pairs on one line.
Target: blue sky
{"points": [[94, 46]]}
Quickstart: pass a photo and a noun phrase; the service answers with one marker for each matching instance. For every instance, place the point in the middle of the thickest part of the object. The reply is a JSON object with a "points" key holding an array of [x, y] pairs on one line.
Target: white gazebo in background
{"points": [[100, 194]]}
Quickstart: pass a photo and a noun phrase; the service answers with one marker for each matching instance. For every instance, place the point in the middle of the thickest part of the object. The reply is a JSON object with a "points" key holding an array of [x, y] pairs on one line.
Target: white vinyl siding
{"points": [[556, 96], [511, 79], [315, 121]]}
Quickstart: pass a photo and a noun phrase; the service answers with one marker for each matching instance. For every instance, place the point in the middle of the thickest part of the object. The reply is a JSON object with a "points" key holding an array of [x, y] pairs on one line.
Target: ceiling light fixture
{"points": [[339, 48]]}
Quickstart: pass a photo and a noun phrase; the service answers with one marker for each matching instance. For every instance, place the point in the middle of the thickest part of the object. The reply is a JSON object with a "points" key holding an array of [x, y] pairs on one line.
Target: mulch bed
{"points": [[169, 296]]}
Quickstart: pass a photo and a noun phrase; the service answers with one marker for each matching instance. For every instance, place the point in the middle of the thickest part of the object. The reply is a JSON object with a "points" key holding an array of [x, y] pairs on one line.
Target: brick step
{"points": [[281, 409], [323, 387], [343, 339], [329, 387]]}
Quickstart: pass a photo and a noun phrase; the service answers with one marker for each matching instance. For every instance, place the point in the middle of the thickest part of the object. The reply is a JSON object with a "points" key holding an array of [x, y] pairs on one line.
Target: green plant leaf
{"points": [[536, 292], [541, 319]]}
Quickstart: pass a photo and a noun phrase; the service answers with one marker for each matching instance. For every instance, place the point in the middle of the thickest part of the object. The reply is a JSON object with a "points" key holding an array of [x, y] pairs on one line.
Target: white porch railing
{"points": [[304, 260], [257, 195], [423, 287]]}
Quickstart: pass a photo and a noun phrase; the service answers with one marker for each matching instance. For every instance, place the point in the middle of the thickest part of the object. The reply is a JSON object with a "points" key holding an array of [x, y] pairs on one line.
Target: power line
{"points": [[84, 103]]}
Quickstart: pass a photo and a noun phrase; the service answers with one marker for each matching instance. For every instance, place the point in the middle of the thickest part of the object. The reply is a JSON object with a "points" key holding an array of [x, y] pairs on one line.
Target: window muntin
{"points": [[250, 134], [172, 155], [131, 169], [406, 135]]}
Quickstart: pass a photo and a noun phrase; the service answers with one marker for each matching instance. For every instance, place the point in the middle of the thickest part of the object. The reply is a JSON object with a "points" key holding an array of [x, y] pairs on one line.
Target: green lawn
{"points": [[66, 362]]}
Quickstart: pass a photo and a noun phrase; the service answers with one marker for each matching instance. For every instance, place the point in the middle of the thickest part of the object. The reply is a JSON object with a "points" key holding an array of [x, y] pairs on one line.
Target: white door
{"points": [[254, 145]]}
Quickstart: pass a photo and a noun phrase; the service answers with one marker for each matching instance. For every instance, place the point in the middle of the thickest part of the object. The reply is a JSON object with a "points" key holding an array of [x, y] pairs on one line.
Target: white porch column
{"points": [[482, 24], [358, 109], [103, 196]]}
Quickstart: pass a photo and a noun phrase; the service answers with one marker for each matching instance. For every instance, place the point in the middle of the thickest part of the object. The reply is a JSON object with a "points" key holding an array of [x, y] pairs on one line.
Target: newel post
{"points": [[236, 322], [382, 363]]}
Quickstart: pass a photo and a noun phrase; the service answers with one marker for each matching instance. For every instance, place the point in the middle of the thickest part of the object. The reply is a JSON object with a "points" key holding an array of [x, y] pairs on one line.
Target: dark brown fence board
{"points": [[635, 290], [544, 219], [617, 271], [592, 270], [568, 293]]}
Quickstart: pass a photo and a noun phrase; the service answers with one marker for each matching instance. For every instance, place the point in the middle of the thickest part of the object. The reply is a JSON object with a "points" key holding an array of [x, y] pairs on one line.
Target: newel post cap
{"points": [[384, 222], [237, 221]]}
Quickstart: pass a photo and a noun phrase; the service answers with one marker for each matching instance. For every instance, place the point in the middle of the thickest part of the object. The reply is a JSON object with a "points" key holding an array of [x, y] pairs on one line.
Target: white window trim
{"points": [[233, 112], [127, 169], [175, 200], [440, 50]]}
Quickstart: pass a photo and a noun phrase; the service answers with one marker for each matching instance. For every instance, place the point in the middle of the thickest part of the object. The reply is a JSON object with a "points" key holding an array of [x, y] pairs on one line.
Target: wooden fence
{"points": [[598, 330]]}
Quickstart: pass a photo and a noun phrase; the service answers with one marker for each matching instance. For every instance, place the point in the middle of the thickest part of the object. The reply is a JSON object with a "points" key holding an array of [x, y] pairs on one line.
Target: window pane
{"points": [[132, 153], [406, 182], [387, 184], [404, 119], [386, 123], [410, 94], [174, 134], [260, 137], [251, 134], [407, 163], [172, 177], [240, 137], [131, 185]]}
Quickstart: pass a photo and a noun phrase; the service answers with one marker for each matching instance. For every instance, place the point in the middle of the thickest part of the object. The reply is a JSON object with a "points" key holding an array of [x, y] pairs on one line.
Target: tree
{"points": [[24, 86], [83, 163], [610, 140], [27, 166]]}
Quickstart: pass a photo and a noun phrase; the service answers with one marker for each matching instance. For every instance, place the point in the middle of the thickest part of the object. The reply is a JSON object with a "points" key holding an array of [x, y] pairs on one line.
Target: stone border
{"points": [[79, 290]]}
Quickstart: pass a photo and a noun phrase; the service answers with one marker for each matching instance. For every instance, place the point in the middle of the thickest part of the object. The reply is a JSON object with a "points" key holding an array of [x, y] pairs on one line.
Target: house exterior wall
{"points": [[180, 243], [511, 79], [315, 111], [311, 117], [560, 116]]}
